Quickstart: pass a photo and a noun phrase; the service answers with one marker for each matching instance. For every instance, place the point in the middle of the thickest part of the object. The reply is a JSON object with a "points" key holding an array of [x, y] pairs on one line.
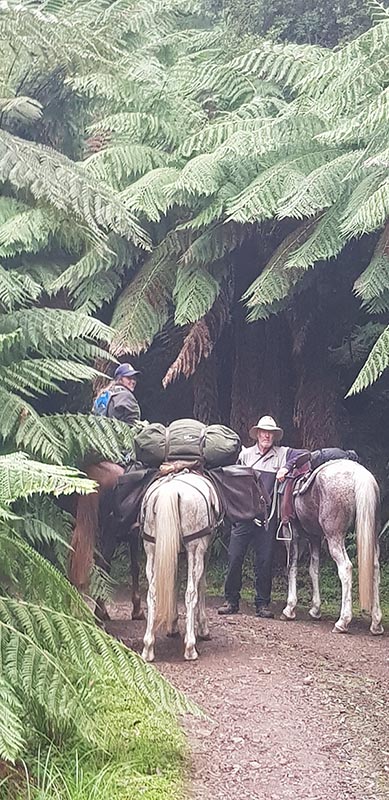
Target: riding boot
{"points": [[228, 608]]}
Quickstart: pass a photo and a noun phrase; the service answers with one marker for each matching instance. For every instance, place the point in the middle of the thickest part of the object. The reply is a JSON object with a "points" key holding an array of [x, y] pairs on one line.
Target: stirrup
{"points": [[287, 527]]}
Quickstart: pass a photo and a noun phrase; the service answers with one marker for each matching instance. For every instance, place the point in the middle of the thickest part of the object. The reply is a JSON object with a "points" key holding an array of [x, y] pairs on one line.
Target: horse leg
{"points": [[172, 631], [149, 637], [137, 612], [291, 603], [196, 551], [376, 627], [314, 564], [345, 570], [202, 619]]}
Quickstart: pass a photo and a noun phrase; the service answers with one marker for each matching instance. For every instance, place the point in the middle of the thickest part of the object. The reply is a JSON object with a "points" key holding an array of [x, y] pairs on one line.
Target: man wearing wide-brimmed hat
{"points": [[271, 459]]}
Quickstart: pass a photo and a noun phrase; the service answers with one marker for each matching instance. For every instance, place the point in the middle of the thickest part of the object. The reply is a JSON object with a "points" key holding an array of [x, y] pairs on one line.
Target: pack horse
{"points": [[342, 497], [179, 512]]}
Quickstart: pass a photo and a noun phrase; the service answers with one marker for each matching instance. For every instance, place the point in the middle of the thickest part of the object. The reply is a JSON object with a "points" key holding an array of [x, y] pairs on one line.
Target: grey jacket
{"points": [[123, 405]]}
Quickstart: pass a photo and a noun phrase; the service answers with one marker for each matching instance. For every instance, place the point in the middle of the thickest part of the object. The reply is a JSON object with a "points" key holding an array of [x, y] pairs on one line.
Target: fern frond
{"points": [[24, 428], [16, 290], [143, 307], [216, 132], [320, 189], [229, 87], [376, 364], [119, 163], [283, 64], [139, 126], [24, 569], [20, 476], [28, 231], [260, 199], [47, 634], [91, 264], [43, 524], [36, 376], [374, 280], [377, 11], [324, 243], [371, 214], [85, 437], [94, 292], [200, 339], [148, 194], [201, 176], [194, 294], [374, 42], [275, 282], [56, 180], [215, 243], [12, 729], [41, 328], [23, 109]]}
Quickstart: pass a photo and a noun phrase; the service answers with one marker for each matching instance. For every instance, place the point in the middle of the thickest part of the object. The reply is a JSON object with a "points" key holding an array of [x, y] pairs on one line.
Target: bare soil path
{"points": [[294, 710]]}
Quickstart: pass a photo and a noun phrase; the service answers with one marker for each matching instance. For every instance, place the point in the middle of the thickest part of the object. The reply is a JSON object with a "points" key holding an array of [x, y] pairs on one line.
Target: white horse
{"points": [[179, 512], [343, 497]]}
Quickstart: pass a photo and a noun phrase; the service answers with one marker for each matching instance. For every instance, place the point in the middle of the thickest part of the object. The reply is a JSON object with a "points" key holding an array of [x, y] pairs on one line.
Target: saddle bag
{"points": [[241, 493], [319, 457], [129, 490]]}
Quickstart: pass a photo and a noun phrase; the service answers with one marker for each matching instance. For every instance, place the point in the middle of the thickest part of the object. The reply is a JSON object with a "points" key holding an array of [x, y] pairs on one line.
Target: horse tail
{"points": [[84, 540], [167, 548], [86, 530], [367, 502]]}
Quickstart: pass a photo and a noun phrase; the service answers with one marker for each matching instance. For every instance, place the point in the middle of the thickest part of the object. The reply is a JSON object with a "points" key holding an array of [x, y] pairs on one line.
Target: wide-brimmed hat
{"points": [[266, 424], [126, 371]]}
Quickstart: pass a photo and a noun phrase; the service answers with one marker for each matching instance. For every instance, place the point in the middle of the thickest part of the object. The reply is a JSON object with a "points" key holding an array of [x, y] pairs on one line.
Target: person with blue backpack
{"points": [[117, 400]]}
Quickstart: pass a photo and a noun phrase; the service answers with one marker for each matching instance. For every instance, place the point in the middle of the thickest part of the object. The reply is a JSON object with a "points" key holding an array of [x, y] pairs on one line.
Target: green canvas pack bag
{"points": [[187, 440]]}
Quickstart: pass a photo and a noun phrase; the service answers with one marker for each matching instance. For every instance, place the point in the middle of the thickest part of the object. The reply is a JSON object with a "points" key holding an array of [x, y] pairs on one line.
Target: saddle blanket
{"points": [[198, 504]]}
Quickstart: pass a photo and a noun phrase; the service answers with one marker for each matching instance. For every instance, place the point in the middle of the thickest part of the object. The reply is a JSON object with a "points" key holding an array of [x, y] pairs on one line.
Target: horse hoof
{"points": [[287, 618], [191, 655], [339, 629], [315, 615], [148, 655], [205, 637], [377, 631], [173, 634], [138, 615]]}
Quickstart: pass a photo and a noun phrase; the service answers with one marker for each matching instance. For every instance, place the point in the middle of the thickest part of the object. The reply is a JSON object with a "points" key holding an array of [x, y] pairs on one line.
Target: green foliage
{"points": [[325, 23]]}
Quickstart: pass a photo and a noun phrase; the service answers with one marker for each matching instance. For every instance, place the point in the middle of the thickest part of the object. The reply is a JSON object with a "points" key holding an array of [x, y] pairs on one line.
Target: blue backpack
{"points": [[100, 406]]}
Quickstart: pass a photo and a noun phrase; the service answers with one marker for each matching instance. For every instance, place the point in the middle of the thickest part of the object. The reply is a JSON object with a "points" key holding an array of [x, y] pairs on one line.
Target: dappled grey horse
{"points": [[343, 497], [179, 512]]}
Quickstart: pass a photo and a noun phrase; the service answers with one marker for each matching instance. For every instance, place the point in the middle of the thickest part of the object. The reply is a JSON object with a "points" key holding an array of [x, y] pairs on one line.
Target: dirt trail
{"points": [[295, 711]]}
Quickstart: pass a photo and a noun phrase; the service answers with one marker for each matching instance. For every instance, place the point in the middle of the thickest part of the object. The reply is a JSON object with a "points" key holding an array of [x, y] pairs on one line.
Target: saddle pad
{"points": [[199, 507]]}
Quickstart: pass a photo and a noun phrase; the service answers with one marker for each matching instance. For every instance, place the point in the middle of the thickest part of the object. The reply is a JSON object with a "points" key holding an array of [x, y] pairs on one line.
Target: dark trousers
{"points": [[243, 534]]}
